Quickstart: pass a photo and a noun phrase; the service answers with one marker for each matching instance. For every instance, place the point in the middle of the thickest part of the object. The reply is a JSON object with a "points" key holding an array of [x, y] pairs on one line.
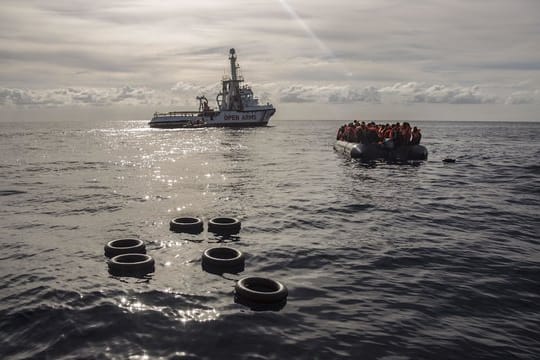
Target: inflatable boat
{"points": [[372, 152]]}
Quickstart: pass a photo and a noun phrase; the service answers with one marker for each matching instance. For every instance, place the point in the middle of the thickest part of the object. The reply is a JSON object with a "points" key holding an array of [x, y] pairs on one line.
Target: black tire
{"points": [[223, 259], [261, 290], [131, 264], [190, 225], [224, 226], [124, 246]]}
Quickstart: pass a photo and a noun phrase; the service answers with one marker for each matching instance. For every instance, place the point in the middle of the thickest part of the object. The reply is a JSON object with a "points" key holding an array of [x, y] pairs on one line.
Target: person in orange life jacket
{"points": [[380, 134], [387, 137], [416, 136], [390, 135], [348, 130], [358, 133], [339, 135], [396, 134], [361, 133], [388, 132], [352, 131], [371, 133], [406, 133]]}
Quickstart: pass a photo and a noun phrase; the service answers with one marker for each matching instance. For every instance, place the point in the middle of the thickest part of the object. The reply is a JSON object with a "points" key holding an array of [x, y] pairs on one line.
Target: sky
{"points": [[312, 59]]}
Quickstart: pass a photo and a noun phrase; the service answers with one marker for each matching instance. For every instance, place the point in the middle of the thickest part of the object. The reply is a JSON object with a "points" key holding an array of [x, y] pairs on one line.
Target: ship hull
{"points": [[248, 118]]}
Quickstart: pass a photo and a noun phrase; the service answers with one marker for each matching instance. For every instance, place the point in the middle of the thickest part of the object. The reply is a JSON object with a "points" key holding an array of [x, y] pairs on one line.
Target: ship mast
{"points": [[234, 67], [230, 95]]}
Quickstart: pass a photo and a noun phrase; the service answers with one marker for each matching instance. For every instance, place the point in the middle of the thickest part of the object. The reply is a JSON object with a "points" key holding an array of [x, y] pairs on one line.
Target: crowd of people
{"points": [[390, 135]]}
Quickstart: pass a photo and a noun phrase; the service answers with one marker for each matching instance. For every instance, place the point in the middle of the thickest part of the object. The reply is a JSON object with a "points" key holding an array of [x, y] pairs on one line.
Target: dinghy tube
{"points": [[371, 152]]}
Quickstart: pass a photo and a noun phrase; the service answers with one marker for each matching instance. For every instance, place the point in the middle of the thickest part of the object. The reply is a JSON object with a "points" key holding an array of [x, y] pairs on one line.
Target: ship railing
{"points": [[175, 113]]}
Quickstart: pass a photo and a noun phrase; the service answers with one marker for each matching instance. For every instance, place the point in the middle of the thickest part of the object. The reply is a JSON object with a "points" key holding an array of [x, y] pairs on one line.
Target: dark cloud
{"points": [[533, 65]]}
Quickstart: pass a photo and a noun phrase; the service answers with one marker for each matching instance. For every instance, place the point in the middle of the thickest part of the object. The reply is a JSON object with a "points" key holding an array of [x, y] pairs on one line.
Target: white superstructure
{"points": [[237, 106]]}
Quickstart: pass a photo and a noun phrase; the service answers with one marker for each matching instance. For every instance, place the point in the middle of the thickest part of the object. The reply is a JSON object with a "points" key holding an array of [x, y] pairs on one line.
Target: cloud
{"points": [[328, 94], [139, 95], [413, 92], [16, 97], [193, 89], [348, 95], [126, 95], [183, 94], [297, 94], [523, 98]]}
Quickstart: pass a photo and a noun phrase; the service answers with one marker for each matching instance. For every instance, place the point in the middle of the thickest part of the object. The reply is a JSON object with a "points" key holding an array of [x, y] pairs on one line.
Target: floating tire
{"points": [[261, 290], [224, 226], [190, 225], [124, 246], [131, 264], [223, 259]]}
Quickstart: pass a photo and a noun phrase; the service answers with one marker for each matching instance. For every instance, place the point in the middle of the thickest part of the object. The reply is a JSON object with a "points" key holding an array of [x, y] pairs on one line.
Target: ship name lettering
{"points": [[249, 117]]}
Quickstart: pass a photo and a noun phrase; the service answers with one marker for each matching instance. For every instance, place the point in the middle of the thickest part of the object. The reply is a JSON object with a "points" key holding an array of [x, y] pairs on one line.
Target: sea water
{"points": [[431, 260]]}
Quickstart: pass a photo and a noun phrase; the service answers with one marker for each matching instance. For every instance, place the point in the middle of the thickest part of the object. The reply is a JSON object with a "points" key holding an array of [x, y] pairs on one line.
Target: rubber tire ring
{"points": [[224, 225], [261, 290], [192, 225], [124, 246], [223, 257], [128, 264]]}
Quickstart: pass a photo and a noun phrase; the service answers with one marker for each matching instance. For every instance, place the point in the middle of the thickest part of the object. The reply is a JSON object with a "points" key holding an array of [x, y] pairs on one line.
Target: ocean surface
{"points": [[382, 261]]}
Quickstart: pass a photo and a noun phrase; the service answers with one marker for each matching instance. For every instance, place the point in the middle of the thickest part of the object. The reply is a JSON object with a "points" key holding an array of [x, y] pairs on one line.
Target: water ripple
{"points": [[382, 261]]}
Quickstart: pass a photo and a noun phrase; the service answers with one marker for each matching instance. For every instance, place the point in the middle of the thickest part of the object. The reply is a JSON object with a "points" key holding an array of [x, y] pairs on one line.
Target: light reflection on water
{"points": [[198, 315], [134, 305]]}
